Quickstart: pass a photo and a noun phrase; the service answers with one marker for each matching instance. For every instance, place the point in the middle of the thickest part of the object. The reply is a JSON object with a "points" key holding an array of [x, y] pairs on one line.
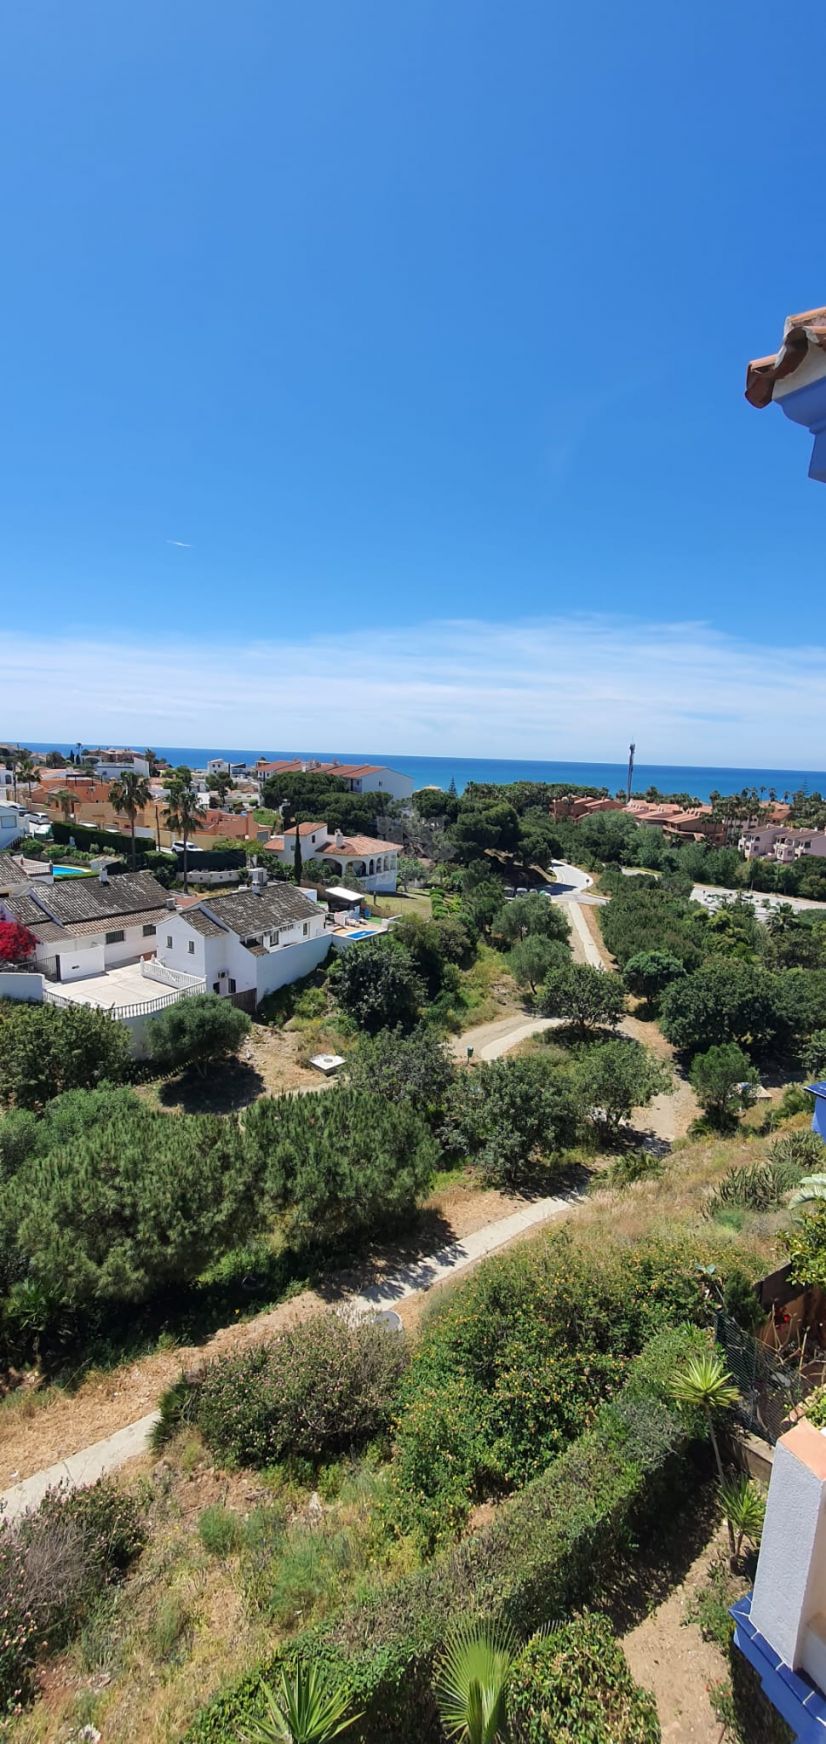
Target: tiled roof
{"points": [[76, 899], [203, 923], [801, 334], [355, 847], [253, 911], [78, 929], [25, 909]]}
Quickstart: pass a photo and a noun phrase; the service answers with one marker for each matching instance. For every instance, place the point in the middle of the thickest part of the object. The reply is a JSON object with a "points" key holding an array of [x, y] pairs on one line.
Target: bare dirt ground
{"points": [[667, 1654], [38, 1430]]}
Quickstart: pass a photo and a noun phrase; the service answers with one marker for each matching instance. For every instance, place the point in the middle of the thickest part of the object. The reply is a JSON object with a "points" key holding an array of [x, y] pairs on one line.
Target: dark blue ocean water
{"points": [[439, 771]]}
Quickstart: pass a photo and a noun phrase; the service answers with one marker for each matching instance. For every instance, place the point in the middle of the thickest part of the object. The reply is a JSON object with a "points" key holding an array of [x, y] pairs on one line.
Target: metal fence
{"points": [[770, 1387]]}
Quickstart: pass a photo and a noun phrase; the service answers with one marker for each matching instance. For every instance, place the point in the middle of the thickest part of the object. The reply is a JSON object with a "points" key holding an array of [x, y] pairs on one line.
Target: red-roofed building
{"points": [[374, 863], [356, 777]]}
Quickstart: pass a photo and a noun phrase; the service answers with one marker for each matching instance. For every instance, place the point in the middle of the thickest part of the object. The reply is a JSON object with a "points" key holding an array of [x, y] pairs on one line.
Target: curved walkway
{"points": [[414, 1278]]}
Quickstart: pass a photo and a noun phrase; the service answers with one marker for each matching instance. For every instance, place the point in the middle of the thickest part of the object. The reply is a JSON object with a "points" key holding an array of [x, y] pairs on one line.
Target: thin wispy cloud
{"points": [[575, 687], [181, 544]]}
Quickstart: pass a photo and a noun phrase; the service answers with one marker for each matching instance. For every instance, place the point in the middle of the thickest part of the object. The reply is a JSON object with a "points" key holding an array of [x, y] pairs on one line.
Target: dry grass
{"points": [[413, 902]]}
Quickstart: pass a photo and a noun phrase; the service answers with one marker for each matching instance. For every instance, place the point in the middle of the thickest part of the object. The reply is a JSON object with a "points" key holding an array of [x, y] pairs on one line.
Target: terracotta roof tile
{"points": [[801, 334]]}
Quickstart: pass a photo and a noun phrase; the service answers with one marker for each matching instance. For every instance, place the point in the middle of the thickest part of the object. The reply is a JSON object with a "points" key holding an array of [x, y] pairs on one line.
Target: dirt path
{"points": [[669, 1656], [490, 1040]]}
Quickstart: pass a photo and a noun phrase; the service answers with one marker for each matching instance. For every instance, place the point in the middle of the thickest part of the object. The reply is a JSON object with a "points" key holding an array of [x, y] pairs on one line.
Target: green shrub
{"points": [[632, 1166], [324, 1386], [337, 1166], [761, 1185], [558, 1542], [508, 1116], [219, 1530], [44, 1050], [200, 1031], [514, 1367], [54, 1563], [573, 1686]]}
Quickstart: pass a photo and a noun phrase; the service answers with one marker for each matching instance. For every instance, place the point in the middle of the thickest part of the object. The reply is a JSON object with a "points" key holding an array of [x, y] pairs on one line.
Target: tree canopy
{"points": [[583, 995], [198, 1031], [377, 983], [45, 1049]]}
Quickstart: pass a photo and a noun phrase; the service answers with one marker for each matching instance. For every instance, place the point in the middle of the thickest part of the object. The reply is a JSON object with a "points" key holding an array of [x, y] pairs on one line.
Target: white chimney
{"points": [[103, 875], [258, 878], [339, 838]]}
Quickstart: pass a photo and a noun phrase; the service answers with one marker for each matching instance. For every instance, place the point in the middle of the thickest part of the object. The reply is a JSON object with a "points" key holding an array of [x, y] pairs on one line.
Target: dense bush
{"points": [[200, 1031], [326, 1385], [514, 1366], [532, 959], [377, 984], [532, 916], [722, 1079], [54, 1562], [573, 1686], [583, 995], [506, 1116], [341, 1164], [648, 973], [725, 1001], [543, 1553], [121, 1206], [398, 1068], [45, 1049], [618, 1076]]}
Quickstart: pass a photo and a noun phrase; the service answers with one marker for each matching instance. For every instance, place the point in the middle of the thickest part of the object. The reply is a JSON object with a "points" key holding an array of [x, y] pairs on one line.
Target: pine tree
{"points": [[297, 860]]}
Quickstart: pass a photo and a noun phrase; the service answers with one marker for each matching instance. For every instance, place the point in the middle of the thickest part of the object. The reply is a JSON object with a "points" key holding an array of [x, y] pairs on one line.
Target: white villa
{"points": [[375, 864], [356, 777], [86, 926], [248, 942]]}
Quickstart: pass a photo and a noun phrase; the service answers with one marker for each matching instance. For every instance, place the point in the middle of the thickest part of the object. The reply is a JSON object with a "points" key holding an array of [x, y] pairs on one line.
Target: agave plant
{"points": [[471, 1682], [305, 1711], [744, 1509], [812, 1190]]}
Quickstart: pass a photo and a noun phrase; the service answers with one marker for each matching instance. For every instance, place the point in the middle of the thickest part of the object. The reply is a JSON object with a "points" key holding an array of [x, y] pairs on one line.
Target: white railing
{"points": [[138, 1007], [155, 971]]}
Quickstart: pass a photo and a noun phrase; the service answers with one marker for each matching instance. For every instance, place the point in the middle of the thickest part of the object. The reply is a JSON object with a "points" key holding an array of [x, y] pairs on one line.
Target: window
{"points": [[169, 941], [148, 931], [231, 984], [216, 986], [191, 947], [114, 938], [306, 927]]}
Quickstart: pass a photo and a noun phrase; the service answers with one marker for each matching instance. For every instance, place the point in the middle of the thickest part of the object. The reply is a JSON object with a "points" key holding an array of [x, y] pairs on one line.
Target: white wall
{"points": [[212, 956], [80, 957], [280, 968], [17, 984], [11, 829], [385, 781]]}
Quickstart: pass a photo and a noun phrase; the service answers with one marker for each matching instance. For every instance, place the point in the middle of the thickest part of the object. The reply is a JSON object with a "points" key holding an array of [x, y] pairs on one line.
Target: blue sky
{"points": [[337, 333]]}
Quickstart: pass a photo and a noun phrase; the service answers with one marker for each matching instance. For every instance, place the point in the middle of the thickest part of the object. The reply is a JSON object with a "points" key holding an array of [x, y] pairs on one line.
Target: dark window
{"points": [[149, 932], [191, 947], [114, 938], [216, 986], [169, 941], [231, 984]]}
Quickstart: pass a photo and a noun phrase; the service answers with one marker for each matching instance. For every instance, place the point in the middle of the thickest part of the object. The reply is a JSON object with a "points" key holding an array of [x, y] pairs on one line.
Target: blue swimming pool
{"points": [[70, 872], [363, 933]]}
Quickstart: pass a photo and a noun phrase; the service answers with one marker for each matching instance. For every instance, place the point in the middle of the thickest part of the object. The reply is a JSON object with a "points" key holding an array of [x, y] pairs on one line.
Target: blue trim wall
{"points": [[794, 1695], [807, 406]]}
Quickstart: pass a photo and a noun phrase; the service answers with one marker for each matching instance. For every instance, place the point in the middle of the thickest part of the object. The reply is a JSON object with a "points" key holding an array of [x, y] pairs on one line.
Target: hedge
{"points": [[548, 1550], [574, 1686]]}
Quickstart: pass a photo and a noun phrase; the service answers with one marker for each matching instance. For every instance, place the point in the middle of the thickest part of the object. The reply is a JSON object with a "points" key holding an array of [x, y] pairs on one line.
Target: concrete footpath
{"points": [[412, 1279]]}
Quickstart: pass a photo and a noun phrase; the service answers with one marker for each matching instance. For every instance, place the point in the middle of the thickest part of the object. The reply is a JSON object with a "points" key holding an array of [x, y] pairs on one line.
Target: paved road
{"points": [[411, 1279]]}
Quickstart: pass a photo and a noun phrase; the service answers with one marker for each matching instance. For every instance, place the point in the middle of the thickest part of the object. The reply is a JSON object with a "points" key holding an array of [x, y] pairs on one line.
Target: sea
{"points": [[700, 782]]}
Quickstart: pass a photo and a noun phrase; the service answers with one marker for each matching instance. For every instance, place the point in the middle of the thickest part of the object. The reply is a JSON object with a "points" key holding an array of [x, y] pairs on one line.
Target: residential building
{"points": [[110, 764], [795, 379], [6, 782], [356, 777], [772, 842], [249, 942], [85, 926], [374, 863], [574, 806], [11, 826]]}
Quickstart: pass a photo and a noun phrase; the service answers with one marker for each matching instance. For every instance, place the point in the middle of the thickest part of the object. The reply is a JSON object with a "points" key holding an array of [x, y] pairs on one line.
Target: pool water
{"points": [[70, 872]]}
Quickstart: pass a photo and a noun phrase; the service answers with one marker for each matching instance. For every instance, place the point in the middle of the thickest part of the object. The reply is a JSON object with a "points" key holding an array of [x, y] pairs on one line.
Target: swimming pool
{"points": [[70, 872], [363, 933]]}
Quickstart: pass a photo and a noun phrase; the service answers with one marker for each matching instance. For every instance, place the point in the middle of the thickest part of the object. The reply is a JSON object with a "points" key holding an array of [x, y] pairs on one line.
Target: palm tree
{"points": [[704, 1384], [66, 801], [471, 1682], [183, 811], [128, 796], [26, 771], [306, 1711]]}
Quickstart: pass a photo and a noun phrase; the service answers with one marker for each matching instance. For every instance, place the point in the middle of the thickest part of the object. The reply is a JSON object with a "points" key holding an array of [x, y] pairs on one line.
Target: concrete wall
{"points": [[16, 984], [83, 957], [280, 968]]}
